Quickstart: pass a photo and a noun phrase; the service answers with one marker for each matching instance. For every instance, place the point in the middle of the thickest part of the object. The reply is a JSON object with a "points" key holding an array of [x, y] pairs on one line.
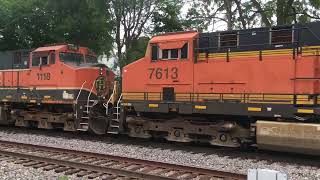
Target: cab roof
{"points": [[49, 48], [179, 36]]}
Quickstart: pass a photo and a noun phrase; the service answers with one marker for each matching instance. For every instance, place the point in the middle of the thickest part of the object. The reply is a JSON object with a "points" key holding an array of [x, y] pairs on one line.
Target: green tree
{"points": [[168, 19], [33, 23]]}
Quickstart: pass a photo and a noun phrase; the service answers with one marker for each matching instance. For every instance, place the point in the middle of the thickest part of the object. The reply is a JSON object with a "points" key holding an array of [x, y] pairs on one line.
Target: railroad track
{"points": [[92, 165]]}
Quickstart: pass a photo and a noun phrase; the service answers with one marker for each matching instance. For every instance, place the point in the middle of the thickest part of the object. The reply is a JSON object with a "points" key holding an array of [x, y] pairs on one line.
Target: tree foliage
{"points": [[242, 14], [124, 26], [33, 23], [168, 18]]}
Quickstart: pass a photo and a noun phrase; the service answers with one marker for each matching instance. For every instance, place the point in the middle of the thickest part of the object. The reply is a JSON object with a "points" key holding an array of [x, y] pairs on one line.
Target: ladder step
{"points": [[117, 113], [85, 117], [83, 127], [114, 126], [116, 120], [113, 132]]}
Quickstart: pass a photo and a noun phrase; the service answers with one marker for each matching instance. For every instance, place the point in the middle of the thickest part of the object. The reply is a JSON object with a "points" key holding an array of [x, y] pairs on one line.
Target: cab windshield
{"points": [[91, 59], [72, 58]]}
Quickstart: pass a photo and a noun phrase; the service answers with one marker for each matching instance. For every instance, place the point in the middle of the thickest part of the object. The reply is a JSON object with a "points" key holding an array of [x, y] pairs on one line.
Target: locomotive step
{"points": [[114, 126], [113, 132], [83, 127]]}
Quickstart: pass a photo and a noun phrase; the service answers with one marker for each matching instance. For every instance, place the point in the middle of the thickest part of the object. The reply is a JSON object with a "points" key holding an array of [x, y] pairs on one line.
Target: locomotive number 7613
{"points": [[163, 73]]}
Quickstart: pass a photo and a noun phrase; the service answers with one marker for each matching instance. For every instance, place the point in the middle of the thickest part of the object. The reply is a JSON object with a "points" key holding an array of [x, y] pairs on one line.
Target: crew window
{"points": [[184, 51], [228, 39], [73, 58], [281, 35], [154, 53], [35, 61], [91, 59], [52, 58], [44, 60], [165, 54], [174, 53], [169, 54]]}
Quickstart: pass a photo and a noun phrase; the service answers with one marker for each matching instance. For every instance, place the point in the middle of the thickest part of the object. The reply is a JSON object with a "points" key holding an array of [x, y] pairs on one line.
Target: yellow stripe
{"points": [[254, 109], [24, 97], [306, 111], [200, 107], [33, 101], [153, 105], [46, 97]]}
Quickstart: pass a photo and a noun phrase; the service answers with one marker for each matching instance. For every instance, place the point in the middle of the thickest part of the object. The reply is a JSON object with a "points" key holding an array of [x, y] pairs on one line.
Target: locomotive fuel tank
{"points": [[288, 137]]}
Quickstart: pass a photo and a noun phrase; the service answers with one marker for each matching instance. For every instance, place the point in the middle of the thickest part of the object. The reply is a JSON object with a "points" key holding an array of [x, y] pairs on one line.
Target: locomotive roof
{"points": [[174, 36], [49, 48]]}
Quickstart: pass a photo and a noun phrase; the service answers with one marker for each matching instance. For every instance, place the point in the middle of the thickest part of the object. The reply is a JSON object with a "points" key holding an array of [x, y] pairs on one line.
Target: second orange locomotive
{"points": [[236, 88]]}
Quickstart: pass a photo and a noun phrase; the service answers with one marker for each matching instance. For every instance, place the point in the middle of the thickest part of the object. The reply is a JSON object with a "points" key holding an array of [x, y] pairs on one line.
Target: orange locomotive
{"points": [[57, 86], [236, 88]]}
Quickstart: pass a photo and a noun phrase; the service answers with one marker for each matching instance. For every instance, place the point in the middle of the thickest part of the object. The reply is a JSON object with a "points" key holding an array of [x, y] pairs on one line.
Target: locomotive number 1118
{"points": [[164, 73]]}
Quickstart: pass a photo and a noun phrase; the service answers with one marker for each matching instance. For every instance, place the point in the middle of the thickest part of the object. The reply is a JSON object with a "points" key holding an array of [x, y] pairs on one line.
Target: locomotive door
{"points": [[170, 71], [20, 63]]}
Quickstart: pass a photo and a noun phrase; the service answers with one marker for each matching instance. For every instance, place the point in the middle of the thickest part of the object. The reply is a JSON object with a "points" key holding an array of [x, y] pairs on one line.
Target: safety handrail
{"points": [[107, 104], [118, 103], [88, 99], [79, 96], [80, 91]]}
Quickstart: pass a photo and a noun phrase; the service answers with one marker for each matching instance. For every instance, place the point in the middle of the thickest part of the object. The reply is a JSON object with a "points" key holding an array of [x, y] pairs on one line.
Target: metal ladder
{"points": [[84, 124], [114, 125]]}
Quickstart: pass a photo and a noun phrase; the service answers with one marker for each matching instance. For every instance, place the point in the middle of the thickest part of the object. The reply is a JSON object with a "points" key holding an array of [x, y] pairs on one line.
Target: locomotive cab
{"points": [[167, 68]]}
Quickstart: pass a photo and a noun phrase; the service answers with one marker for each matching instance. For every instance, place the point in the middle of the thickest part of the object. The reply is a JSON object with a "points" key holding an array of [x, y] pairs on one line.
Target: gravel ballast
{"points": [[298, 167], [9, 170]]}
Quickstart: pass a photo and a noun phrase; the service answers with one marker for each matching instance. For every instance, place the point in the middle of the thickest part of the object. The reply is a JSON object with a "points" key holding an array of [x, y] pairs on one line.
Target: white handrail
{"points": [[80, 91], [79, 96], [107, 105], [88, 100], [118, 114]]}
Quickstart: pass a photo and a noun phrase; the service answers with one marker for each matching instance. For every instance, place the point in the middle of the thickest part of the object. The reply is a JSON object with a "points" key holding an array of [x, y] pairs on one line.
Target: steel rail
{"points": [[66, 161]]}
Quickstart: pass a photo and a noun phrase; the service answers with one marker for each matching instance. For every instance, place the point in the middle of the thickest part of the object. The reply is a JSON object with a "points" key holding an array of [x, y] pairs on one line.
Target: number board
{"points": [[44, 76], [164, 73]]}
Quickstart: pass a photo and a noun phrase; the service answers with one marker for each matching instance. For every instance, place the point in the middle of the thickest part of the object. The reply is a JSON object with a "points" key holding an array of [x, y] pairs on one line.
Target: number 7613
{"points": [[163, 73]]}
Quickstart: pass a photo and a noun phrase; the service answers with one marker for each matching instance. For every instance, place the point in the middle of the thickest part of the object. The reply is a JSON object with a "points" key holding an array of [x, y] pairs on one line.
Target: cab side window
{"points": [[184, 51], [52, 58], [154, 53], [43, 58], [169, 54], [35, 60]]}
